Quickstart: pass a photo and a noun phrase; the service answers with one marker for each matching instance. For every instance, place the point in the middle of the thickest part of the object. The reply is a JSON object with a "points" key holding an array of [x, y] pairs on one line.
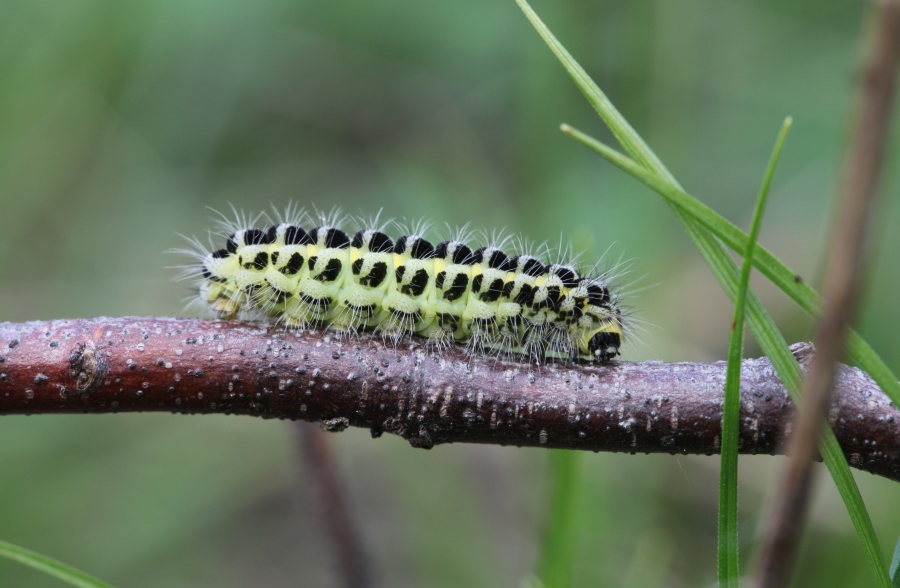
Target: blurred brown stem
{"points": [[332, 504], [846, 262], [203, 367]]}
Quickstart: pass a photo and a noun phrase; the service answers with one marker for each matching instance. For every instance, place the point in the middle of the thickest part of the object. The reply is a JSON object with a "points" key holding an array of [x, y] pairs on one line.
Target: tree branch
{"points": [[197, 366]]}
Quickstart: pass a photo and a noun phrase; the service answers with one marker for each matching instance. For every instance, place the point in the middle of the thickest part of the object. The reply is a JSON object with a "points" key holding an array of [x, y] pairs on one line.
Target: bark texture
{"points": [[193, 366]]}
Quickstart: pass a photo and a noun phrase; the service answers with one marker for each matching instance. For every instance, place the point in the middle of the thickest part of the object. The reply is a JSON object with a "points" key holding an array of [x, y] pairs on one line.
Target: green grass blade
{"points": [[50, 566], [624, 133], [776, 348], [726, 272], [728, 555], [558, 554], [728, 548], [647, 161], [807, 298], [895, 565]]}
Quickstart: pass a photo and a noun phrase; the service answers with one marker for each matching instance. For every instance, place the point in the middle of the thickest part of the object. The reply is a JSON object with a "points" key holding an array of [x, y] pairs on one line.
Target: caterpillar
{"points": [[310, 274]]}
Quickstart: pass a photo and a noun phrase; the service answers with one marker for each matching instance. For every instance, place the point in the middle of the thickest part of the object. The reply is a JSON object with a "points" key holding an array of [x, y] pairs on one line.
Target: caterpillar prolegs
{"points": [[315, 275]]}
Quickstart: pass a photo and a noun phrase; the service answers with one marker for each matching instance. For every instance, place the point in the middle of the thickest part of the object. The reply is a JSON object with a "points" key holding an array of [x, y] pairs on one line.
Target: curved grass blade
{"points": [[654, 174], [50, 566], [726, 272], [807, 298]]}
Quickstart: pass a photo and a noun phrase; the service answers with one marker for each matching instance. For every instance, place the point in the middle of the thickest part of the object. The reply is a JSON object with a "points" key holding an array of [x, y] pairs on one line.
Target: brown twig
{"points": [[201, 367], [333, 507], [845, 268]]}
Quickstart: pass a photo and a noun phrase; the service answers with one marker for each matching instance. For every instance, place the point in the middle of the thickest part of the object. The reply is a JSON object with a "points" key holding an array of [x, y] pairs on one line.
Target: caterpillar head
{"points": [[604, 343], [599, 331]]}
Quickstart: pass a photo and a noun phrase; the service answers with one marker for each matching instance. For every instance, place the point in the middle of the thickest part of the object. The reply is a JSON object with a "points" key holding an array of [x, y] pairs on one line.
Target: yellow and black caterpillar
{"points": [[492, 302]]}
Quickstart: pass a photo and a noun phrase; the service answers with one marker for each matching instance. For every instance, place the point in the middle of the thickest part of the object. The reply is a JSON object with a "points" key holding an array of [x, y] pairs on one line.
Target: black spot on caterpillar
{"points": [[309, 274]]}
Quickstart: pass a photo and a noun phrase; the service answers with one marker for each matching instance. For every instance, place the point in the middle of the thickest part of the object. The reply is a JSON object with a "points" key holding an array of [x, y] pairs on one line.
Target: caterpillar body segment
{"points": [[447, 293]]}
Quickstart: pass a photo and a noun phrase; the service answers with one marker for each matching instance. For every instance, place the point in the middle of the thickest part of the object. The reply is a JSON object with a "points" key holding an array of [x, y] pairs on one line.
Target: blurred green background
{"points": [[122, 122]]}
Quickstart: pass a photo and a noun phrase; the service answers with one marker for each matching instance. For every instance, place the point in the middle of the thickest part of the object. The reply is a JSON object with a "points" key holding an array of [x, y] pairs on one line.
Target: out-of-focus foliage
{"points": [[121, 122]]}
